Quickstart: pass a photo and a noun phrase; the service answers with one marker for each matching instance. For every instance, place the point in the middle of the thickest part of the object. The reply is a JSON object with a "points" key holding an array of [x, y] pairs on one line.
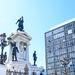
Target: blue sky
{"points": [[39, 17]]}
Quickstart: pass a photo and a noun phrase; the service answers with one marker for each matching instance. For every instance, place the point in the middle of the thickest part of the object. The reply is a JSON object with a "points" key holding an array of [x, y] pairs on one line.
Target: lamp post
{"points": [[64, 63], [9, 40], [2, 44]]}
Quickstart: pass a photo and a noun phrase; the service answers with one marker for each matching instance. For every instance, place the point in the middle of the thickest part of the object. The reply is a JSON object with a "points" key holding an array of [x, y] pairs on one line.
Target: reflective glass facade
{"points": [[59, 44]]}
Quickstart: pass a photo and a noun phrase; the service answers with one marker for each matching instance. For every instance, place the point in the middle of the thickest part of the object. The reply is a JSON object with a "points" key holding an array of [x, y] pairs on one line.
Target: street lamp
{"points": [[2, 44], [9, 40], [64, 63]]}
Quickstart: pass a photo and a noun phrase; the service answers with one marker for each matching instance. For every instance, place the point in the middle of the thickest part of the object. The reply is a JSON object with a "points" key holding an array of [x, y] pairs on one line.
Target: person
{"points": [[34, 57], [14, 53], [5, 56], [20, 24], [41, 73], [33, 73]]}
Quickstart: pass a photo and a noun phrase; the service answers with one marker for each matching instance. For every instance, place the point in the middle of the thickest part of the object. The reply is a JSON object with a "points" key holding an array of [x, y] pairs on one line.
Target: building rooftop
{"points": [[59, 25]]}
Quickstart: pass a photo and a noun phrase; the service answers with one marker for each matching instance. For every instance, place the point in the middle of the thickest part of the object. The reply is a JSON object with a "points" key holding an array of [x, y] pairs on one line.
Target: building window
{"points": [[50, 60], [69, 37], [57, 64], [70, 43], [63, 44], [49, 48], [48, 34], [49, 54], [69, 49], [72, 73], [49, 41], [59, 35], [69, 26], [56, 58], [72, 55], [50, 72], [50, 66], [70, 31], [63, 56], [73, 48], [63, 51], [57, 52], [73, 35], [56, 47], [58, 30]]}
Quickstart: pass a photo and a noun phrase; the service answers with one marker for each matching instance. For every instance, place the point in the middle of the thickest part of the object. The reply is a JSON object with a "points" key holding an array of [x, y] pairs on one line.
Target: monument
{"points": [[18, 59]]}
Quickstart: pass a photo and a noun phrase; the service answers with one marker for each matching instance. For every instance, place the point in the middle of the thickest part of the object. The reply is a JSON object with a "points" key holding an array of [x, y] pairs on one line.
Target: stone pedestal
{"points": [[33, 69]]}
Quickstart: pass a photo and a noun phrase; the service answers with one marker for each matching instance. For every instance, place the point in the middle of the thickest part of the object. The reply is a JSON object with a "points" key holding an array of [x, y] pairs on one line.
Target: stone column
{"points": [[24, 53], [9, 59], [27, 53], [10, 54]]}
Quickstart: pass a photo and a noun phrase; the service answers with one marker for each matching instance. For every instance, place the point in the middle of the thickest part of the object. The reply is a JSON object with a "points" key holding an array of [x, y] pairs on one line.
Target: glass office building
{"points": [[59, 44]]}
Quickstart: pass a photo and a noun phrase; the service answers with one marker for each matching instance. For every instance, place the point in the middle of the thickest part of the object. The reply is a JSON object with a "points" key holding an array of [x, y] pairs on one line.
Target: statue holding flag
{"points": [[20, 24]]}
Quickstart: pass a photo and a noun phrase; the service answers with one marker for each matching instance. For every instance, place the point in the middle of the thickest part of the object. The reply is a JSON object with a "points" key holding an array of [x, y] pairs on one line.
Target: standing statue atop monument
{"points": [[20, 24], [34, 58]]}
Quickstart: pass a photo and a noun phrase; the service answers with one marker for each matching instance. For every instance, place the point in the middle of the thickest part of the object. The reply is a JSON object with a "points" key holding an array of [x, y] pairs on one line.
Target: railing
{"points": [[3, 59], [8, 72]]}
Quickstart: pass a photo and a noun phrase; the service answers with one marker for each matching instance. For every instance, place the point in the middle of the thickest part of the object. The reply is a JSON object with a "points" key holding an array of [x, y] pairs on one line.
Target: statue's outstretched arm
{"points": [[16, 22]]}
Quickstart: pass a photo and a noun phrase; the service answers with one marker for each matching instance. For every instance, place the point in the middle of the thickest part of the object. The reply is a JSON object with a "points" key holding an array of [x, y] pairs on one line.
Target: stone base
{"points": [[20, 66], [3, 69]]}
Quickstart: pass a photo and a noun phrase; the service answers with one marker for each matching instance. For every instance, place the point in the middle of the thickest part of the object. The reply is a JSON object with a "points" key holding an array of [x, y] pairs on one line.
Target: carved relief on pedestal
{"points": [[22, 51]]}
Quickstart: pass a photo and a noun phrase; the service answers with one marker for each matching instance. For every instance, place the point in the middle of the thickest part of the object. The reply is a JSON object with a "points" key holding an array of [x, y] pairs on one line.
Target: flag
{"points": [[69, 64]]}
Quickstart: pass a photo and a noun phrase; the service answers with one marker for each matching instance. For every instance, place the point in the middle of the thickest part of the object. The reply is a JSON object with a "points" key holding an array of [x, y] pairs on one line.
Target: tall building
{"points": [[60, 45]]}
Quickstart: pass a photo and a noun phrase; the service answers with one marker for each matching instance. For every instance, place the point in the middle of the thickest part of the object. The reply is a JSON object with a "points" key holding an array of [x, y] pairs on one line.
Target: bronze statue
{"points": [[14, 53], [34, 57], [20, 24]]}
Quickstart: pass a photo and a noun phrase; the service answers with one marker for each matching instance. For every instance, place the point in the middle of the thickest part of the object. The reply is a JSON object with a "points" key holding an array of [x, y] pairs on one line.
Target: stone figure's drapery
{"points": [[22, 51]]}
